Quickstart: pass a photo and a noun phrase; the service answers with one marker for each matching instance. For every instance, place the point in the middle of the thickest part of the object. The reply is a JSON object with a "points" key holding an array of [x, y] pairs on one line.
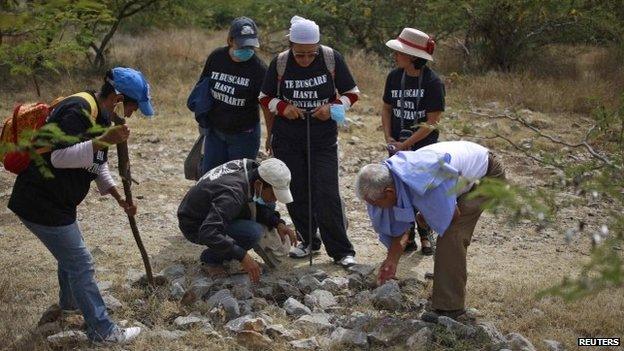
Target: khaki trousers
{"points": [[449, 270]]}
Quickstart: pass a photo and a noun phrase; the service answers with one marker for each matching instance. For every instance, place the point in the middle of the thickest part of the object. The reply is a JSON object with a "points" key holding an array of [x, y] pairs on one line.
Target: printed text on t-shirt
{"points": [[223, 89], [306, 98]]}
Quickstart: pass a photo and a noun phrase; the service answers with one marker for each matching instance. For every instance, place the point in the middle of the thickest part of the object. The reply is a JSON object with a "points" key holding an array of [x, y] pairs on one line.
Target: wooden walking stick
{"points": [[126, 179]]}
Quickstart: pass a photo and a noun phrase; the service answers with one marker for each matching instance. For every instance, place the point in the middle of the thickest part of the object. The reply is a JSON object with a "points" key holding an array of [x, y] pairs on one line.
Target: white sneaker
{"points": [[123, 335], [346, 261], [302, 251]]}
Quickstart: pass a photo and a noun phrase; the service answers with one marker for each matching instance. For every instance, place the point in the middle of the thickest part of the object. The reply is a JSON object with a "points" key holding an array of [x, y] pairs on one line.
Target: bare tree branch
{"points": [[584, 143]]}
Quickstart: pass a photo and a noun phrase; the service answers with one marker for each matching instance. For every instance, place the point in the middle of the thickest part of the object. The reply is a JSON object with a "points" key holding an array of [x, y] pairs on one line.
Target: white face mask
{"points": [[119, 110]]}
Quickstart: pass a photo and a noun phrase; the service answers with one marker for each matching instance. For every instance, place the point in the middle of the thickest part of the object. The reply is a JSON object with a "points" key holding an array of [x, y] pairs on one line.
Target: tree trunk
{"points": [[36, 83]]}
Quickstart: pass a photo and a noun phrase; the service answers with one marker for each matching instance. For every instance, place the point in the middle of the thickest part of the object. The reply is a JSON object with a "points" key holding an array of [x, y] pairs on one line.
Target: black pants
{"points": [[327, 207]]}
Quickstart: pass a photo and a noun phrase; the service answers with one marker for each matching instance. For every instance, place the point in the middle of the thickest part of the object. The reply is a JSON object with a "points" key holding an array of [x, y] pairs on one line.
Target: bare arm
{"points": [[269, 118], [386, 121]]}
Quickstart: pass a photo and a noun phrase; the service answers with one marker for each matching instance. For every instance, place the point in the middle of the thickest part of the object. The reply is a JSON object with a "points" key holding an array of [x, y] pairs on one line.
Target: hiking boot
{"points": [[122, 335], [302, 251], [346, 261]]}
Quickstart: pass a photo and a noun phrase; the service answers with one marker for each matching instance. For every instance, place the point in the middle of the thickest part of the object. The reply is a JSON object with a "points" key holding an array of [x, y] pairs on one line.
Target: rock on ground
{"points": [[246, 323], [278, 331], [388, 296], [517, 342], [420, 340], [253, 340], [553, 345], [349, 339], [493, 334], [308, 283], [314, 323], [305, 344], [457, 328], [174, 271], [111, 302], [320, 298], [191, 321], [67, 339], [393, 331], [335, 284], [362, 269], [295, 308]]}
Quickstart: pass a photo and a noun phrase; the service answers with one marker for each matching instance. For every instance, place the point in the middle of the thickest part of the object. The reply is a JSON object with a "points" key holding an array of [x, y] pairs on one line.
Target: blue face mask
{"points": [[243, 54], [259, 200]]}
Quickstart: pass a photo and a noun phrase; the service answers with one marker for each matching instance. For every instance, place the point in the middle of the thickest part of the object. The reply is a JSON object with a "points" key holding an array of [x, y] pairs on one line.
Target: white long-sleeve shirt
{"points": [[80, 155]]}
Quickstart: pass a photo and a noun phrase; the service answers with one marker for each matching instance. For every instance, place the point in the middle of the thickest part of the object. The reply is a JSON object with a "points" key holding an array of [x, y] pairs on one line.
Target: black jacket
{"points": [[221, 196]]}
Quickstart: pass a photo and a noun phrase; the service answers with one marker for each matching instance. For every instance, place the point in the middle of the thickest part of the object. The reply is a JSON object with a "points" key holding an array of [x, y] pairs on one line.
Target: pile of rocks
{"points": [[308, 309]]}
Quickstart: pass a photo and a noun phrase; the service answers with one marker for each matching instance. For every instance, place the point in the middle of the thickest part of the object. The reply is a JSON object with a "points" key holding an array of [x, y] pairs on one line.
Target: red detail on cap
{"points": [[16, 161], [428, 48]]}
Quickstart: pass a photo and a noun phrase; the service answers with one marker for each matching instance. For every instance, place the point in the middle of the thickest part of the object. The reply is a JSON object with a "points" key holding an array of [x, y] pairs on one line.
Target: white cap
{"points": [[304, 31], [276, 173]]}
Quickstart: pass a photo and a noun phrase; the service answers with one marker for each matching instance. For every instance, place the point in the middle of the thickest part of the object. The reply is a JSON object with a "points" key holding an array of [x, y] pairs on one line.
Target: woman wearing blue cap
{"points": [[235, 73], [47, 206]]}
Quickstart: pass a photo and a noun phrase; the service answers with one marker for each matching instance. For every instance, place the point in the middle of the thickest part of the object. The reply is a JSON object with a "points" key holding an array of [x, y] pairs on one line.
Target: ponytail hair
{"points": [[107, 88]]}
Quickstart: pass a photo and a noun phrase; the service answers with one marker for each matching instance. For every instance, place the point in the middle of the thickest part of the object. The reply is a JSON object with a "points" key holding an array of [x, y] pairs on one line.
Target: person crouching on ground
{"points": [[428, 180], [47, 206], [218, 212]]}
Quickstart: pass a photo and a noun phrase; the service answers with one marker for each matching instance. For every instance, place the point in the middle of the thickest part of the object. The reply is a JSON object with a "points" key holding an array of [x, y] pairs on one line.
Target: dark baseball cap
{"points": [[244, 32]]}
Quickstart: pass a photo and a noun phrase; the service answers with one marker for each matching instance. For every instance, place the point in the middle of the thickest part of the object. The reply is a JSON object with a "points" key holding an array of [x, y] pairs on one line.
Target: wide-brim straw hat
{"points": [[414, 43]]}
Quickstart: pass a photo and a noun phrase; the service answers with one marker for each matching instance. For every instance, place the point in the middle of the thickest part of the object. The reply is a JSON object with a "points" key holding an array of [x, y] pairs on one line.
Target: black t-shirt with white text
{"points": [[431, 100], [235, 87], [308, 88]]}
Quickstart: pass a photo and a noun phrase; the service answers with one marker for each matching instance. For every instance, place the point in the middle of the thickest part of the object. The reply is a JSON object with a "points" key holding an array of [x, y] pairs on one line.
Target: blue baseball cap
{"points": [[244, 32], [131, 83]]}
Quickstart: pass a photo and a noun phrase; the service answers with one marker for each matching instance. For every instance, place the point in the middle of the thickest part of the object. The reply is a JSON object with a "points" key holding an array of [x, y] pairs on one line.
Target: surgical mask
{"points": [[337, 113], [258, 198], [243, 54]]}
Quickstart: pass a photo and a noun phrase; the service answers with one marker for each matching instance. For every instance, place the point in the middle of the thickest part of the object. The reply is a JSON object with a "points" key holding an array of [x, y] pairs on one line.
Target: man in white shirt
{"points": [[435, 182]]}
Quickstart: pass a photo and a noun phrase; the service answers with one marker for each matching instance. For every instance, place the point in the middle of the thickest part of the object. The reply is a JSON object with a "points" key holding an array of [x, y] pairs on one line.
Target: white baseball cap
{"points": [[276, 173]]}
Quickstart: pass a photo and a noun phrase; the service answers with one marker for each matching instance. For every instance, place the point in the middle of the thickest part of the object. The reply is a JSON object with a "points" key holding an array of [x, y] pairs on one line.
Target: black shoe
{"points": [[411, 247], [427, 250]]}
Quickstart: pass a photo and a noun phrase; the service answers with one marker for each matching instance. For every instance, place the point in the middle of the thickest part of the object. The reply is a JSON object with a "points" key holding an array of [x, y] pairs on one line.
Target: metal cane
{"points": [[308, 116]]}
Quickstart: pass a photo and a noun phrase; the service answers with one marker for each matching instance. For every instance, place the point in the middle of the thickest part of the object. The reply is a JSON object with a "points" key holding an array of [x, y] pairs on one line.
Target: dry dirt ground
{"points": [[507, 263]]}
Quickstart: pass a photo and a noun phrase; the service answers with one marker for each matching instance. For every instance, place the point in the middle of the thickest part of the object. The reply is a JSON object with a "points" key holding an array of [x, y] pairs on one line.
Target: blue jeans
{"points": [[245, 233], [220, 147], [76, 276]]}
